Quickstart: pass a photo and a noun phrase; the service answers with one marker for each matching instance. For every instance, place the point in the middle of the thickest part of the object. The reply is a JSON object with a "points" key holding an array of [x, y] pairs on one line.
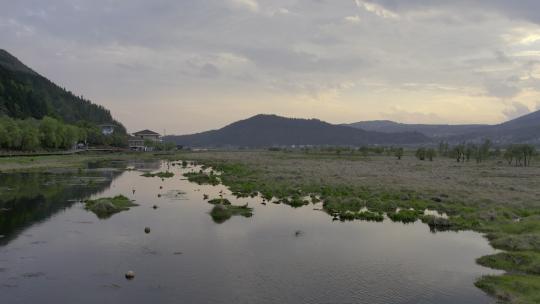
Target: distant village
{"points": [[144, 140]]}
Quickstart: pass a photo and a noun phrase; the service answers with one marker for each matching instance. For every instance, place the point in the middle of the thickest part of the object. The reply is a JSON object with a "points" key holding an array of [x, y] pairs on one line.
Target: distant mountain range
{"points": [[24, 94], [271, 130], [433, 131], [524, 129]]}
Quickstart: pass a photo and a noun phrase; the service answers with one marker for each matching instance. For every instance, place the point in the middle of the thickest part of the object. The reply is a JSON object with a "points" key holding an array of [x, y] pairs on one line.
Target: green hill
{"points": [[272, 130], [36, 114], [26, 94]]}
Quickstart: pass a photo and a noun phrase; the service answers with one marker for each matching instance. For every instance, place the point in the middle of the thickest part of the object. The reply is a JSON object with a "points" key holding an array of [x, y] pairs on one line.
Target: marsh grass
{"points": [[512, 288], [219, 201], [107, 206], [405, 215], [370, 216], [166, 174], [221, 213], [522, 261], [202, 178], [436, 223]]}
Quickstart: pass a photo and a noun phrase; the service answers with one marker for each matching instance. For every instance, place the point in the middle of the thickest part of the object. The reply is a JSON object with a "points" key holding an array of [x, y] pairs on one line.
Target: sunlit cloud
{"points": [[252, 5], [376, 9]]}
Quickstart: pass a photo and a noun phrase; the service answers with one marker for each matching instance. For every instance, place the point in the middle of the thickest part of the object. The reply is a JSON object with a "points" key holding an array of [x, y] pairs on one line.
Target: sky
{"points": [[186, 66]]}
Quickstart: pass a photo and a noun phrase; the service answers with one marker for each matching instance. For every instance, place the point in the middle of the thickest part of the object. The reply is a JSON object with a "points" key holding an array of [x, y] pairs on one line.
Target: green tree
{"points": [[398, 152], [49, 134], [430, 154], [29, 135], [421, 153], [458, 152]]}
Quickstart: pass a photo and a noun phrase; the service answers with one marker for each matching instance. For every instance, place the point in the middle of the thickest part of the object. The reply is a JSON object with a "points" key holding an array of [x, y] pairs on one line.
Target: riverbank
{"points": [[72, 161]]}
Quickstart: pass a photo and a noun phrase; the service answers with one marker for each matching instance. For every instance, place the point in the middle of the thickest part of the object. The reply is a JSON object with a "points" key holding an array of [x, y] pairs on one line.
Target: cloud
{"points": [[251, 5], [515, 110], [376, 9], [209, 70], [203, 54], [525, 9], [352, 19], [501, 89]]}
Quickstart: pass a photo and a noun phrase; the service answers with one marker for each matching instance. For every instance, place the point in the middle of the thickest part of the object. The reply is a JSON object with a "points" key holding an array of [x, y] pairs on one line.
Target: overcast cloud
{"points": [[193, 65]]}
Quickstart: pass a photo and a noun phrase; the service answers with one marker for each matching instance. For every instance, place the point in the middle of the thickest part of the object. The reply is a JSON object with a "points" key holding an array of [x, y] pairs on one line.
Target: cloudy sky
{"points": [[191, 65]]}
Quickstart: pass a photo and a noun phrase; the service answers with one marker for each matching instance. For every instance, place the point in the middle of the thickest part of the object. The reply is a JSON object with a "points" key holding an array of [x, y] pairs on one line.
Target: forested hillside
{"points": [[24, 94], [37, 114]]}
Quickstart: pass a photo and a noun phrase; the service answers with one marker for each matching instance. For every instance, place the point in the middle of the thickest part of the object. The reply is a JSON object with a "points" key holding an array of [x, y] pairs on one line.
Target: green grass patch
{"points": [[405, 215], [221, 213], [523, 261], [166, 174], [513, 288], [107, 206], [370, 216], [515, 242], [436, 222], [219, 201], [202, 178]]}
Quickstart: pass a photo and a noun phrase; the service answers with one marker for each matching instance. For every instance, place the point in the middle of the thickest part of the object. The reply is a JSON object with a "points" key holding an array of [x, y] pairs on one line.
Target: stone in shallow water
{"points": [[130, 275]]}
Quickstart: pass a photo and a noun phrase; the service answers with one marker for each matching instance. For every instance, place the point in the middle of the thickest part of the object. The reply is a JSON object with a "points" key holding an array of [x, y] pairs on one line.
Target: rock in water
{"points": [[130, 275]]}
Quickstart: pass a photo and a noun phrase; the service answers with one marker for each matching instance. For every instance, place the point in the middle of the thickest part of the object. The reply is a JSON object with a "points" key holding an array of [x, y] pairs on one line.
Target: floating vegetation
{"points": [[437, 222], [221, 213], [347, 216], [203, 178], [295, 202], [404, 216], [219, 201], [370, 216], [107, 206], [161, 175]]}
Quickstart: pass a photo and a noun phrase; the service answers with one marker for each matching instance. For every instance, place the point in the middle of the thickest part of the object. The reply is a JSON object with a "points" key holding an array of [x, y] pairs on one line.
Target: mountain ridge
{"points": [[523, 129], [265, 130]]}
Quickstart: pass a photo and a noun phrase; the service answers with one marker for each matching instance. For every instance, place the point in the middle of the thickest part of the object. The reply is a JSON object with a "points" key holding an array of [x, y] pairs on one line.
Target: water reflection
{"points": [[29, 198]]}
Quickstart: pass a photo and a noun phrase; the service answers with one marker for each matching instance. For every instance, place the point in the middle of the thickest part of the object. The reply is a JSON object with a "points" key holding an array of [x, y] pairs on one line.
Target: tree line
{"points": [[51, 134], [517, 154]]}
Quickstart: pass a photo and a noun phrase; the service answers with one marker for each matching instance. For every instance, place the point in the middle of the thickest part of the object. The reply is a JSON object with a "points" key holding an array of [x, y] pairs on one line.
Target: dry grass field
{"points": [[491, 181]]}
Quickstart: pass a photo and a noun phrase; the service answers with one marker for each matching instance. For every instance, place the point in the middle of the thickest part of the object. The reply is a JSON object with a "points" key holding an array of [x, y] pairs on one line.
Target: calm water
{"points": [[54, 251]]}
